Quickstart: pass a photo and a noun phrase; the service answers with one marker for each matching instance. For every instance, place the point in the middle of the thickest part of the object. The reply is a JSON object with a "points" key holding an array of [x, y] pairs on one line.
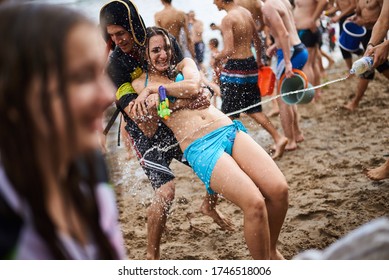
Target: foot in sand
{"points": [[379, 173], [350, 106], [273, 113], [280, 148], [277, 256], [300, 138], [218, 218]]}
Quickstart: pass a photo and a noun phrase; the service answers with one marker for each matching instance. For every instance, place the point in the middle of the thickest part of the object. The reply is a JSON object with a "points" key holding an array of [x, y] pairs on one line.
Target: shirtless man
{"points": [[196, 29], [347, 9], [380, 52], [254, 6], [366, 14], [278, 15], [173, 21], [239, 78], [306, 15]]}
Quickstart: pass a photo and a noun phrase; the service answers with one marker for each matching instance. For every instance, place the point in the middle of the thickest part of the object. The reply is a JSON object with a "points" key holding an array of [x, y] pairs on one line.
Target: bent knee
{"points": [[255, 207], [279, 192], [166, 192]]}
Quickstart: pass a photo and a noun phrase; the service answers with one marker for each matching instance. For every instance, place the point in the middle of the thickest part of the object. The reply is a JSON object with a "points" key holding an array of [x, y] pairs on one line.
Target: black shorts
{"points": [[155, 154], [199, 51], [309, 38], [239, 87]]}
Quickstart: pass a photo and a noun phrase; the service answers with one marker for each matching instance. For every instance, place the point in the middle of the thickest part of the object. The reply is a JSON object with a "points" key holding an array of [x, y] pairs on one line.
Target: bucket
{"points": [[298, 82], [351, 36], [266, 80]]}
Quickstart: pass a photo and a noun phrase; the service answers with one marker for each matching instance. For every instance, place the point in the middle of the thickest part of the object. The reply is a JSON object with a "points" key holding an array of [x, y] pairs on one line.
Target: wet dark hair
{"points": [[32, 54], [155, 31], [214, 42]]}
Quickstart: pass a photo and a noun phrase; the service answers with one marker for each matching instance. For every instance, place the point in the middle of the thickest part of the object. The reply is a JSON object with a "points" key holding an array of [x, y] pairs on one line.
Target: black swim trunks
{"points": [[239, 87], [308, 38]]}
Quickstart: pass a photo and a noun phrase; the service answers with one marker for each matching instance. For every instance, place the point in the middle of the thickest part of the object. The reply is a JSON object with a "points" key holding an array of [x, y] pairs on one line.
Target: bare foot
{"points": [[330, 64], [273, 113], [300, 138], [317, 96], [350, 106], [277, 256], [291, 147], [379, 173], [218, 218], [280, 148]]}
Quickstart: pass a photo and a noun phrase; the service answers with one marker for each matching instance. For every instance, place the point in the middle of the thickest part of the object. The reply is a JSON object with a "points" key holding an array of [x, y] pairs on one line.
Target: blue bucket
{"points": [[351, 36]]}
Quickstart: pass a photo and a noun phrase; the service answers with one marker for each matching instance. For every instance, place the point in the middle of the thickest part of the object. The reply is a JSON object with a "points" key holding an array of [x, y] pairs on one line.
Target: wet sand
{"points": [[329, 194]]}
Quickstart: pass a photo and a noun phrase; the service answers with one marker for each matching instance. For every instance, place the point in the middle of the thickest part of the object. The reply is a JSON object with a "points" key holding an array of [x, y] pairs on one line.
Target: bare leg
{"points": [[330, 60], [279, 140], [208, 208], [261, 183], [274, 188], [361, 88], [298, 134], [349, 63], [275, 110], [156, 218], [287, 117], [379, 173], [249, 199], [126, 139]]}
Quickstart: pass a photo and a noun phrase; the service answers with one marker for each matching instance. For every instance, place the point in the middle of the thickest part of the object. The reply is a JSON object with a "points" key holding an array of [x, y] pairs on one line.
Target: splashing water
{"points": [[243, 110]]}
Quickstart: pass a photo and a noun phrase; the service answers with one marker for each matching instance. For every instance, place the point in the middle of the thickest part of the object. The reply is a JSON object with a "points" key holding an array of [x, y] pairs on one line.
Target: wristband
{"points": [[370, 44]]}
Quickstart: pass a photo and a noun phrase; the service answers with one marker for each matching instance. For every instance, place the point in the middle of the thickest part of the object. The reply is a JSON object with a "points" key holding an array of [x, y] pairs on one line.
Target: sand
{"points": [[329, 194]]}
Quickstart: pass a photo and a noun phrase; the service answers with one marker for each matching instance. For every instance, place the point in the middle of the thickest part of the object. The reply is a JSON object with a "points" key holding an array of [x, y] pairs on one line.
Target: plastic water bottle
{"points": [[362, 65]]}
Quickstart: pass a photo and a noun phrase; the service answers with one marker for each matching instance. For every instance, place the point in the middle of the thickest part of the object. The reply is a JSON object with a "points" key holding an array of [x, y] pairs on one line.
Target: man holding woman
{"points": [[224, 157], [155, 145]]}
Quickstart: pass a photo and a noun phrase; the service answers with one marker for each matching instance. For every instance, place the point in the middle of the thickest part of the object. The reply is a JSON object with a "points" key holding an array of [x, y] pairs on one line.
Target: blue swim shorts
{"points": [[203, 153]]}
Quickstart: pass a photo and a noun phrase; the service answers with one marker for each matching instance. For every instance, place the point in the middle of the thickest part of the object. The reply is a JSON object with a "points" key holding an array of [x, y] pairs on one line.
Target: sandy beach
{"points": [[329, 194]]}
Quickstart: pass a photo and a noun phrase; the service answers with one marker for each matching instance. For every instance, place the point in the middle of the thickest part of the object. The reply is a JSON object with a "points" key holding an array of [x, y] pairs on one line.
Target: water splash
{"points": [[241, 111]]}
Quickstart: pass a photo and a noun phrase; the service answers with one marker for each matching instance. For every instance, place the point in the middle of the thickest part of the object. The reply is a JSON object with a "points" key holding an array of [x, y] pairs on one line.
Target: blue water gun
{"points": [[163, 106]]}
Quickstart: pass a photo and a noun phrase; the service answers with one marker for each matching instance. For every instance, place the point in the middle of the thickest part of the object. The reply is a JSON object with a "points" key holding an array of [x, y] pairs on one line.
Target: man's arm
{"points": [[316, 14], [281, 35], [381, 27], [226, 28]]}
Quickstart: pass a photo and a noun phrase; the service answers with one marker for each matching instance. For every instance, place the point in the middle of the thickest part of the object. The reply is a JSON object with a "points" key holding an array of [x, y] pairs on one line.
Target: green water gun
{"points": [[163, 106]]}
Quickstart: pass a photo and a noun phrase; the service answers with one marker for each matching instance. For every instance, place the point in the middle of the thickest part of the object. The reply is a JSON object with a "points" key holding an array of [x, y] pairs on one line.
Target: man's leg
{"points": [[361, 88], [279, 140], [156, 218]]}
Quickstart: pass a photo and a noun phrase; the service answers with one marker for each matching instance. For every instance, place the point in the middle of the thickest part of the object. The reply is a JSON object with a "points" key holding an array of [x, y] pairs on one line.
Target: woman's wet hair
{"points": [[155, 31], [32, 57]]}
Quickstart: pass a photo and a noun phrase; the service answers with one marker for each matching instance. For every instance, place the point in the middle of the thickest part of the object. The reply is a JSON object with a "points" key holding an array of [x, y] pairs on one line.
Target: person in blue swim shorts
{"points": [[221, 153], [291, 53]]}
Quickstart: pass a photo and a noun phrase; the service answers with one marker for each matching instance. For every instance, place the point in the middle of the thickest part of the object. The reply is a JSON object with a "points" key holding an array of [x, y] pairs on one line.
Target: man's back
{"points": [[239, 24], [254, 6], [171, 19], [284, 9]]}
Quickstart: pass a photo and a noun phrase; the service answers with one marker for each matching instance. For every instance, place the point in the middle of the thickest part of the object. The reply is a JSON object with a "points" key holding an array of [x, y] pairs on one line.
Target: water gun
{"points": [[163, 106]]}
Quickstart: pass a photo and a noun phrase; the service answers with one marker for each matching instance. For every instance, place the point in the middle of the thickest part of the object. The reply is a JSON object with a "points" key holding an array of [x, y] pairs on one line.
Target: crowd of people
{"points": [[55, 198]]}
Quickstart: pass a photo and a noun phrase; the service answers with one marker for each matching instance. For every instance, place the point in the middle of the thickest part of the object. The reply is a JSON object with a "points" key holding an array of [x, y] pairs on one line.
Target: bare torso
{"points": [[254, 6], [284, 9], [240, 25], [189, 125], [172, 20], [197, 31], [344, 4], [303, 11], [369, 11]]}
